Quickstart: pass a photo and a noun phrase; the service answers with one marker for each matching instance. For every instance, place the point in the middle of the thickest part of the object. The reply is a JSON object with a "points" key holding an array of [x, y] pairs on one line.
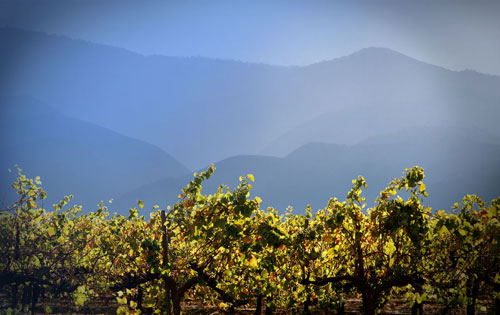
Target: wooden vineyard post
{"points": [[164, 244]]}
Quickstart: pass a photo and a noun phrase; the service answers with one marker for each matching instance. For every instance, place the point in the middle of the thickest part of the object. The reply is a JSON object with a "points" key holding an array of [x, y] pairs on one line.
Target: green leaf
{"points": [[36, 261], [32, 204], [81, 289], [51, 231], [80, 299], [444, 230]]}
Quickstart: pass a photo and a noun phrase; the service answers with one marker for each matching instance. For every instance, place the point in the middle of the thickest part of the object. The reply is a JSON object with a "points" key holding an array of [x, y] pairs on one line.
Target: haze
{"points": [[125, 99]]}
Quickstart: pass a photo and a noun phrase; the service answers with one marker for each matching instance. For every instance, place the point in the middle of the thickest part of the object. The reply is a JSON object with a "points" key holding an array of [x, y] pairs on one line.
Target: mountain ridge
{"points": [[75, 157], [318, 171], [168, 101], [238, 61], [203, 111]]}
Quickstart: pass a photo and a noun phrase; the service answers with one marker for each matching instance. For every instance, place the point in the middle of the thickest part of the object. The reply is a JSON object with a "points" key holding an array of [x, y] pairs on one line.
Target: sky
{"points": [[455, 34]]}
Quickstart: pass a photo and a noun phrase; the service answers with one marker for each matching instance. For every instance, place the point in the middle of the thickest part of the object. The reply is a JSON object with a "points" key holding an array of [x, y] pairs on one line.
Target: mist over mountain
{"points": [[190, 106], [387, 91], [314, 173], [74, 157], [202, 110], [102, 122]]}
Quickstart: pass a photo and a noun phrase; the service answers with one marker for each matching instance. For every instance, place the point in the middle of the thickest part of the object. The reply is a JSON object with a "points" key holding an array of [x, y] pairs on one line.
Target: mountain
{"points": [[203, 110], [192, 107], [455, 165], [355, 125], [395, 92], [74, 157]]}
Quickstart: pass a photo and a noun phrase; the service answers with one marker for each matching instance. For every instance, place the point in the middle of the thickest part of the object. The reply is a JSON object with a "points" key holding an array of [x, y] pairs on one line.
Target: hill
{"points": [[315, 172], [74, 157], [203, 110]]}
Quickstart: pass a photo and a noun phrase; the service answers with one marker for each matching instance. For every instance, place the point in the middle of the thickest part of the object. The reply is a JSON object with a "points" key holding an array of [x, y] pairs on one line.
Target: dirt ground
{"points": [[394, 306], [353, 306]]}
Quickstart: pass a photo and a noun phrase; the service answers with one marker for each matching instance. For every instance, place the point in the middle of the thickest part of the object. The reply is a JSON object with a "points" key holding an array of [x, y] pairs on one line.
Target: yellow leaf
{"points": [[444, 230], [331, 252], [422, 187], [253, 262], [389, 248], [80, 299], [250, 177], [324, 254], [51, 231], [121, 300]]}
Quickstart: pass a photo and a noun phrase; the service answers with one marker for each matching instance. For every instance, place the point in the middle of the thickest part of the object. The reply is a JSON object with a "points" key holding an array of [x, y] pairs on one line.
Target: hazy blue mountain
{"points": [[347, 126], [447, 132], [455, 161], [193, 107], [387, 91], [202, 110], [351, 126], [74, 157]]}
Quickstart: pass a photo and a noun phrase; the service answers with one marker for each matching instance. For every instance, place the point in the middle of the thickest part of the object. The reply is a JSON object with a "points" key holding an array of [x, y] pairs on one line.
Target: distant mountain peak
{"points": [[372, 55], [377, 50], [377, 54]]}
